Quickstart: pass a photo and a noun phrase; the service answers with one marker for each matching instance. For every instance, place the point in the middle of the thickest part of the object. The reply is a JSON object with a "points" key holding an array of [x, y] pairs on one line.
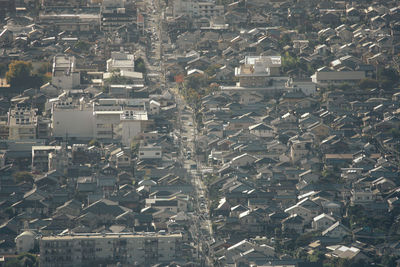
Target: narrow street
{"points": [[201, 229]]}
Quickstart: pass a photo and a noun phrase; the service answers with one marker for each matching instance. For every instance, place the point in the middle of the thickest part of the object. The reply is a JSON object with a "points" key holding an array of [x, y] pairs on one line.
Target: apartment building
{"points": [[91, 249], [22, 122], [197, 9], [72, 22], [40, 157]]}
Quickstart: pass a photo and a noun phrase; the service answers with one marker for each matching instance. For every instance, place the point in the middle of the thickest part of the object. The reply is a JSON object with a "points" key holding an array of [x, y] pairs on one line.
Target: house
{"points": [[337, 230], [344, 252], [148, 152], [243, 160], [305, 208], [322, 222], [262, 130], [293, 223], [6, 38]]}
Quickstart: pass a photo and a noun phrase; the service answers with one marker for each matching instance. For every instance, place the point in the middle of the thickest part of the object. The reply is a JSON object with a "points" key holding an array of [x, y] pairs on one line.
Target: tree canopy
{"points": [[140, 66], [23, 177], [21, 77]]}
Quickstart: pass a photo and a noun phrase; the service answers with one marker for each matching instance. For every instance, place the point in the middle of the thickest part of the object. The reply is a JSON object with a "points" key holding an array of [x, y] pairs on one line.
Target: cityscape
{"points": [[197, 133]]}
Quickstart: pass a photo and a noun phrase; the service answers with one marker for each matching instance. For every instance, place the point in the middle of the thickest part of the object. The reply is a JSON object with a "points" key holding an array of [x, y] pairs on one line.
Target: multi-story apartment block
{"points": [[197, 9], [81, 22], [128, 249], [40, 157], [22, 122], [114, 15]]}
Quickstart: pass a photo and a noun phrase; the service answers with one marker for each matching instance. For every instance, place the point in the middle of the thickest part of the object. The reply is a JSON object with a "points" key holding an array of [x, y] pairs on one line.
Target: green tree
{"points": [[3, 69], [94, 142], [19, 74], [23, 176], [368, 83], [289, 62], [196, 81], [116, 78], [44, 68], [140, 66], [82, 46], [135, 147], [23, 260], [212, 69], [388, 78]]}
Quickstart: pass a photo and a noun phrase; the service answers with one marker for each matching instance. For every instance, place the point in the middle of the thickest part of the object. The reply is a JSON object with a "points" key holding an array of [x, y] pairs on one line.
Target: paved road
{"points": [[201, 229]]}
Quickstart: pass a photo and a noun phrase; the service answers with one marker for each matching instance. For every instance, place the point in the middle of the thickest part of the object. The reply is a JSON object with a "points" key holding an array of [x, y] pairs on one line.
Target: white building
{"points": [[154, 107], [197, 9], [25, 241], [72, 119], [129, 249], [64, 75], [325, 76], [132, 123], [150, 152], [322, 222], [308, 87], [259, 74], [22, 123], [106, 123], [121, 61]]}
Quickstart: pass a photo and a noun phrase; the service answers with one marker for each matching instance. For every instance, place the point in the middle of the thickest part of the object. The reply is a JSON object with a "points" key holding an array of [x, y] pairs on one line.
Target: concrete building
{"points": [[197, 9], [114, 15], [306, 86], [25, 241], [72, 22], [72, 119], [258, 70], [40, 157], [129, 249], [132, 123], [22, 122], [64, 75], [121, 61], [62, 3], [106, 123], [325, 76], [150, 152], [259, 74]]}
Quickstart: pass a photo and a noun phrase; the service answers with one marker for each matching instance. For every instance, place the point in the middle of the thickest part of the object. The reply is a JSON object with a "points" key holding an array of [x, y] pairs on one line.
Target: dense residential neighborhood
{"points": [[200, 133]]}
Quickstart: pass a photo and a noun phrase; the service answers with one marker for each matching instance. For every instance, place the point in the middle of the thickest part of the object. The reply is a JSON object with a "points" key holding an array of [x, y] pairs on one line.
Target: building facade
{"points": [[90, 249], [22, 122]]}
